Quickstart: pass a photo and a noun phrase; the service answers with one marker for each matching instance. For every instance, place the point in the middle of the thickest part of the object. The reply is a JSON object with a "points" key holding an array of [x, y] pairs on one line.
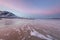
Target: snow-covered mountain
{"points": [[7, 14]]}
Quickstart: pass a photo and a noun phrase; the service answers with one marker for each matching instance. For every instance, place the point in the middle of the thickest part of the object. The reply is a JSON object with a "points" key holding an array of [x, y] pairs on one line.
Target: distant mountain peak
{"points": [[7, 14]]}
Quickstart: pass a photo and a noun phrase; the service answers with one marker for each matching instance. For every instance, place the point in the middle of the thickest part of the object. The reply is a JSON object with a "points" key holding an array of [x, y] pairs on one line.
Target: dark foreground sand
{"points": [[22, 29]]}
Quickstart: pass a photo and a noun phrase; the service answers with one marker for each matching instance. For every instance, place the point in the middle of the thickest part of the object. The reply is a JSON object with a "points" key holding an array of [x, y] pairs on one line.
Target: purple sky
{"points": [[33, 6]]}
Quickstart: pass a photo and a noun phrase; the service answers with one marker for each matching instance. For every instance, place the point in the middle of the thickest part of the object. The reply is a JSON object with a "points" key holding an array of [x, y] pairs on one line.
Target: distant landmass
{"points": [[6, 14]]}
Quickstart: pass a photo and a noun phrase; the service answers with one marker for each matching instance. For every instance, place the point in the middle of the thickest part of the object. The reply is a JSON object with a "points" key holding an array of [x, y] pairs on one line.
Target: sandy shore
{"points": [[22, 29]]}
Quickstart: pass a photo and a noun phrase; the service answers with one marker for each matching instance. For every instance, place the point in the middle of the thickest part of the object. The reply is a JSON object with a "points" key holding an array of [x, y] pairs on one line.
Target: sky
{"points": [[31, 8]]}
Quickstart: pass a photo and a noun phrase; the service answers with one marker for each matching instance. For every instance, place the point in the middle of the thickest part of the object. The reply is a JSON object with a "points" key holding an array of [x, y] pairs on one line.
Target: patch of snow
{"points": [[37, 34], [49, 36]]}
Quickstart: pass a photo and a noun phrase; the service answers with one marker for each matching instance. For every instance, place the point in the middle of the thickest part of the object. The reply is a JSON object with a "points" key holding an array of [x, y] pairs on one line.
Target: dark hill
{"points": [[6, 14]]}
